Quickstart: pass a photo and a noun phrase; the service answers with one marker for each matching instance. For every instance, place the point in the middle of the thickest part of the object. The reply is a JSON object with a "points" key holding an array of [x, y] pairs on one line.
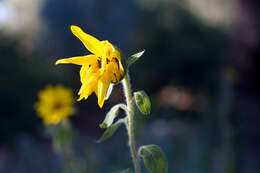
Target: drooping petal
{"points": [[78, 60], [90, 42], [86, 76], [103, 84], [88, 87], [83, 73], [88, 69]]}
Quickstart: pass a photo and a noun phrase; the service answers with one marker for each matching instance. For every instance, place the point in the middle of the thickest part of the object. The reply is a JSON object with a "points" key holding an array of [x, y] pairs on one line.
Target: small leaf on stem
{"points": [[154, 159], [111, 130], [111, 115], [143, 102]]}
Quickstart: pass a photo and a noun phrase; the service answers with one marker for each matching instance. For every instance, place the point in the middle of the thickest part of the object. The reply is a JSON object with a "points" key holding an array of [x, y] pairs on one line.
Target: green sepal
{"points": [[111, 115], [133, 58], [111, 130], [124, 171], [154, 159], [143, 102]]}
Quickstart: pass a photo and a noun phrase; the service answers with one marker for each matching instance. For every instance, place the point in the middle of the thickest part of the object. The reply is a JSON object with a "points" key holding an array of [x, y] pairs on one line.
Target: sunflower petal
{"points": [[90, 42], [102, 88], [84, 70], [78, 60], [88, 87]]}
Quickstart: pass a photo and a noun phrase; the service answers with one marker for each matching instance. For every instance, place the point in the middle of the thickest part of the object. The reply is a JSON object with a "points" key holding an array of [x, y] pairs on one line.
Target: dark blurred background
{"points": [[200, 69]]}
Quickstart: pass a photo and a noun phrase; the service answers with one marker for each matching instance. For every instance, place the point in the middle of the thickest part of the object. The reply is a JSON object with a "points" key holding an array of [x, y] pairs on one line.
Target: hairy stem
{"points": [[131, 123]]}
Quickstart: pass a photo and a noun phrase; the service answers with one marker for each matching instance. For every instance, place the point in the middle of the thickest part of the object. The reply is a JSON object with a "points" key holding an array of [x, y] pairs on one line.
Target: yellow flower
{"points": [[98, 70], [54, 104]]}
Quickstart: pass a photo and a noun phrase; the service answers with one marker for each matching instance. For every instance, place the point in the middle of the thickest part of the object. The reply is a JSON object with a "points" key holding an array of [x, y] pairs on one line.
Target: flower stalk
{"points": [[131, 123]]}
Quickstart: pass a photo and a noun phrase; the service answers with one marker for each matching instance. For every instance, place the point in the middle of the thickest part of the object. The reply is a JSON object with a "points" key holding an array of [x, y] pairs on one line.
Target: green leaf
{"points": [[154, 158], [124, 171], [142, 102], [111, 115], [111, 130], [133, 58]]}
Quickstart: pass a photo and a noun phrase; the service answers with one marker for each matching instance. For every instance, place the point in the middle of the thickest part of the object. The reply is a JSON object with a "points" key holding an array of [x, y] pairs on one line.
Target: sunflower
{"points": [[100, 69], [55, 103]]}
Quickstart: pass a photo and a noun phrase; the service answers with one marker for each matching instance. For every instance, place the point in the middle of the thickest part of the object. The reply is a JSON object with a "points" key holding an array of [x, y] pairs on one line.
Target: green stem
{"points": [[131, 123]]}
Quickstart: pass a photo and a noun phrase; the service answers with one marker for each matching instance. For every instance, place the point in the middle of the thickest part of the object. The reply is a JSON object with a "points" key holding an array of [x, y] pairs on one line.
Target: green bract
{"points": [[142, 102], [133, 58]]}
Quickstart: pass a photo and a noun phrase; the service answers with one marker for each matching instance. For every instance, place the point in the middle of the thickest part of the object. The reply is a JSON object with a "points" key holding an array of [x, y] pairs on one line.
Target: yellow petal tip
{"points": [[79, 99], [62, 61], [100, 104], [57, 62], [74, 28]]}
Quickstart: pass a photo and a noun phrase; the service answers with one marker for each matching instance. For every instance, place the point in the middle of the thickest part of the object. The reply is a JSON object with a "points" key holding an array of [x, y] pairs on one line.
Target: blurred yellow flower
{"points": [[54, 104], [98, 70]]}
